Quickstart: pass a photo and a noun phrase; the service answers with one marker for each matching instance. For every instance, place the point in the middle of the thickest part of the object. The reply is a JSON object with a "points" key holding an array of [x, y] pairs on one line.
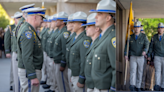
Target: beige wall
{"points": [[70, 8]]}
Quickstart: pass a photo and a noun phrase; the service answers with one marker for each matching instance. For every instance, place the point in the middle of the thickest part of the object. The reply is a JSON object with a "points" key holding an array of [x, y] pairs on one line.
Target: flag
{"points": [[130, 21]]}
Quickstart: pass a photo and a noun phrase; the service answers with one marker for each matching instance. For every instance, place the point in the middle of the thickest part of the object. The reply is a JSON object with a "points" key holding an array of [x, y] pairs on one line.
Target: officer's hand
{"points": [[148, 62], [126, 58], [80, 85], [8, 55], [62, 69], [144, 53], [149, 59], [35, 82]]}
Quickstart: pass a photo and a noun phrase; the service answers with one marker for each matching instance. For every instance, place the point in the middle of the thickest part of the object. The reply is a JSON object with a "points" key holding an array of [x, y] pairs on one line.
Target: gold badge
{"points": [[114, 42]]}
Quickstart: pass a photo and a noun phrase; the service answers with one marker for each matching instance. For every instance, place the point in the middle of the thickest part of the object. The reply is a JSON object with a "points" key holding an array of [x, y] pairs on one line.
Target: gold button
{"points": [[73, 53], [98, 57], [89, 62]]}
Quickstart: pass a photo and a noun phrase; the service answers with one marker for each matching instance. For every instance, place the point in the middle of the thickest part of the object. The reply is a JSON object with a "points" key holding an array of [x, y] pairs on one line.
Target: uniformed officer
{"points": [[59, 54], [44, 44], [93, 32], [103, 67], [157, 48], [44, 68], [8, 50], [19, 20], [17, 16], [138, 47], [51, 41], [30, 54], [49, 46], [72, 35], [78, 47]]}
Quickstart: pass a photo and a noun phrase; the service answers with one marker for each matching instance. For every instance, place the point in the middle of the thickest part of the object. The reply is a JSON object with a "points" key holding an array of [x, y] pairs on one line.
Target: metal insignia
{"points": [[66, 35], [28, 34], [86, 43]]}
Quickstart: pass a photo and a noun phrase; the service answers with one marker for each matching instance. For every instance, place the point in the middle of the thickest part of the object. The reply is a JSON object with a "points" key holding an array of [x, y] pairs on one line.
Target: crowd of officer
{"points": [[73, 53], [142, 52]]}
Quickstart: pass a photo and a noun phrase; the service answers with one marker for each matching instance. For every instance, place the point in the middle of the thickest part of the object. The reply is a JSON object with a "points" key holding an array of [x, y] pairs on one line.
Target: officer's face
{"points": [[137, 29], [160, 30], [58, 23], [53, 24], [90, 30], [16, 21], [76, 26], [43, 24], [102, 19], [39, 20], [48, 24], [69, 26]]}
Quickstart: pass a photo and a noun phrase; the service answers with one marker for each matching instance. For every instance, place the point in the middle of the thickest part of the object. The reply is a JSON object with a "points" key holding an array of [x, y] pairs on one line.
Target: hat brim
{"points": [[87, 24], [137, 26], [106, 11], [64, 19], [68, 21], [79, 20]]}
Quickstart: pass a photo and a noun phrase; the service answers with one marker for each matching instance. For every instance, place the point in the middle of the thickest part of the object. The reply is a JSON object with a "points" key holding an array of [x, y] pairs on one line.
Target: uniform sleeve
{"points": [[150, 48], [146, 44], [111, 49], [64, 40], [7, 41], [83, 51], [27, 44]]}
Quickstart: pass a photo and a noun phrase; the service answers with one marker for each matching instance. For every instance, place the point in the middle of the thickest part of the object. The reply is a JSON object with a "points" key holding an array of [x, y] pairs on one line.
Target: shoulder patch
{"points": [[28, 34], [86, 43], [66, 35], [114, 42]]}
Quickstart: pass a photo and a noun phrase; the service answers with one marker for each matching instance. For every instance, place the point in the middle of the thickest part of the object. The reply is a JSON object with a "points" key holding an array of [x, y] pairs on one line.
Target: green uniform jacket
{"points": [[60, 46], [7, 39], [156, 46], [50, 33], [42, 32], [30, 54], [44, 39], [51, 43], [88, 65], [78, 49], [14, 34], [103, 63], [136, 47], [68, 43]]}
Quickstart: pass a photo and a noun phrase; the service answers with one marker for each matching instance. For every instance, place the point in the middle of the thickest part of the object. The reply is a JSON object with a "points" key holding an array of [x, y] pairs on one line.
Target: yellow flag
{"points": [[130, 21]]}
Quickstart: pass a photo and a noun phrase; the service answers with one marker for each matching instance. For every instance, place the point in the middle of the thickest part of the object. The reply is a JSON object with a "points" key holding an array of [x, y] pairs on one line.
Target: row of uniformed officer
{"points": [[74, 61], [69, 61], [138, 47]]}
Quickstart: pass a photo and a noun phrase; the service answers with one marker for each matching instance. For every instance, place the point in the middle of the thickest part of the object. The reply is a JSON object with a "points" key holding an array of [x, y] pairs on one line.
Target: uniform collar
{"points": [[78, 35], [102, 33]]}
